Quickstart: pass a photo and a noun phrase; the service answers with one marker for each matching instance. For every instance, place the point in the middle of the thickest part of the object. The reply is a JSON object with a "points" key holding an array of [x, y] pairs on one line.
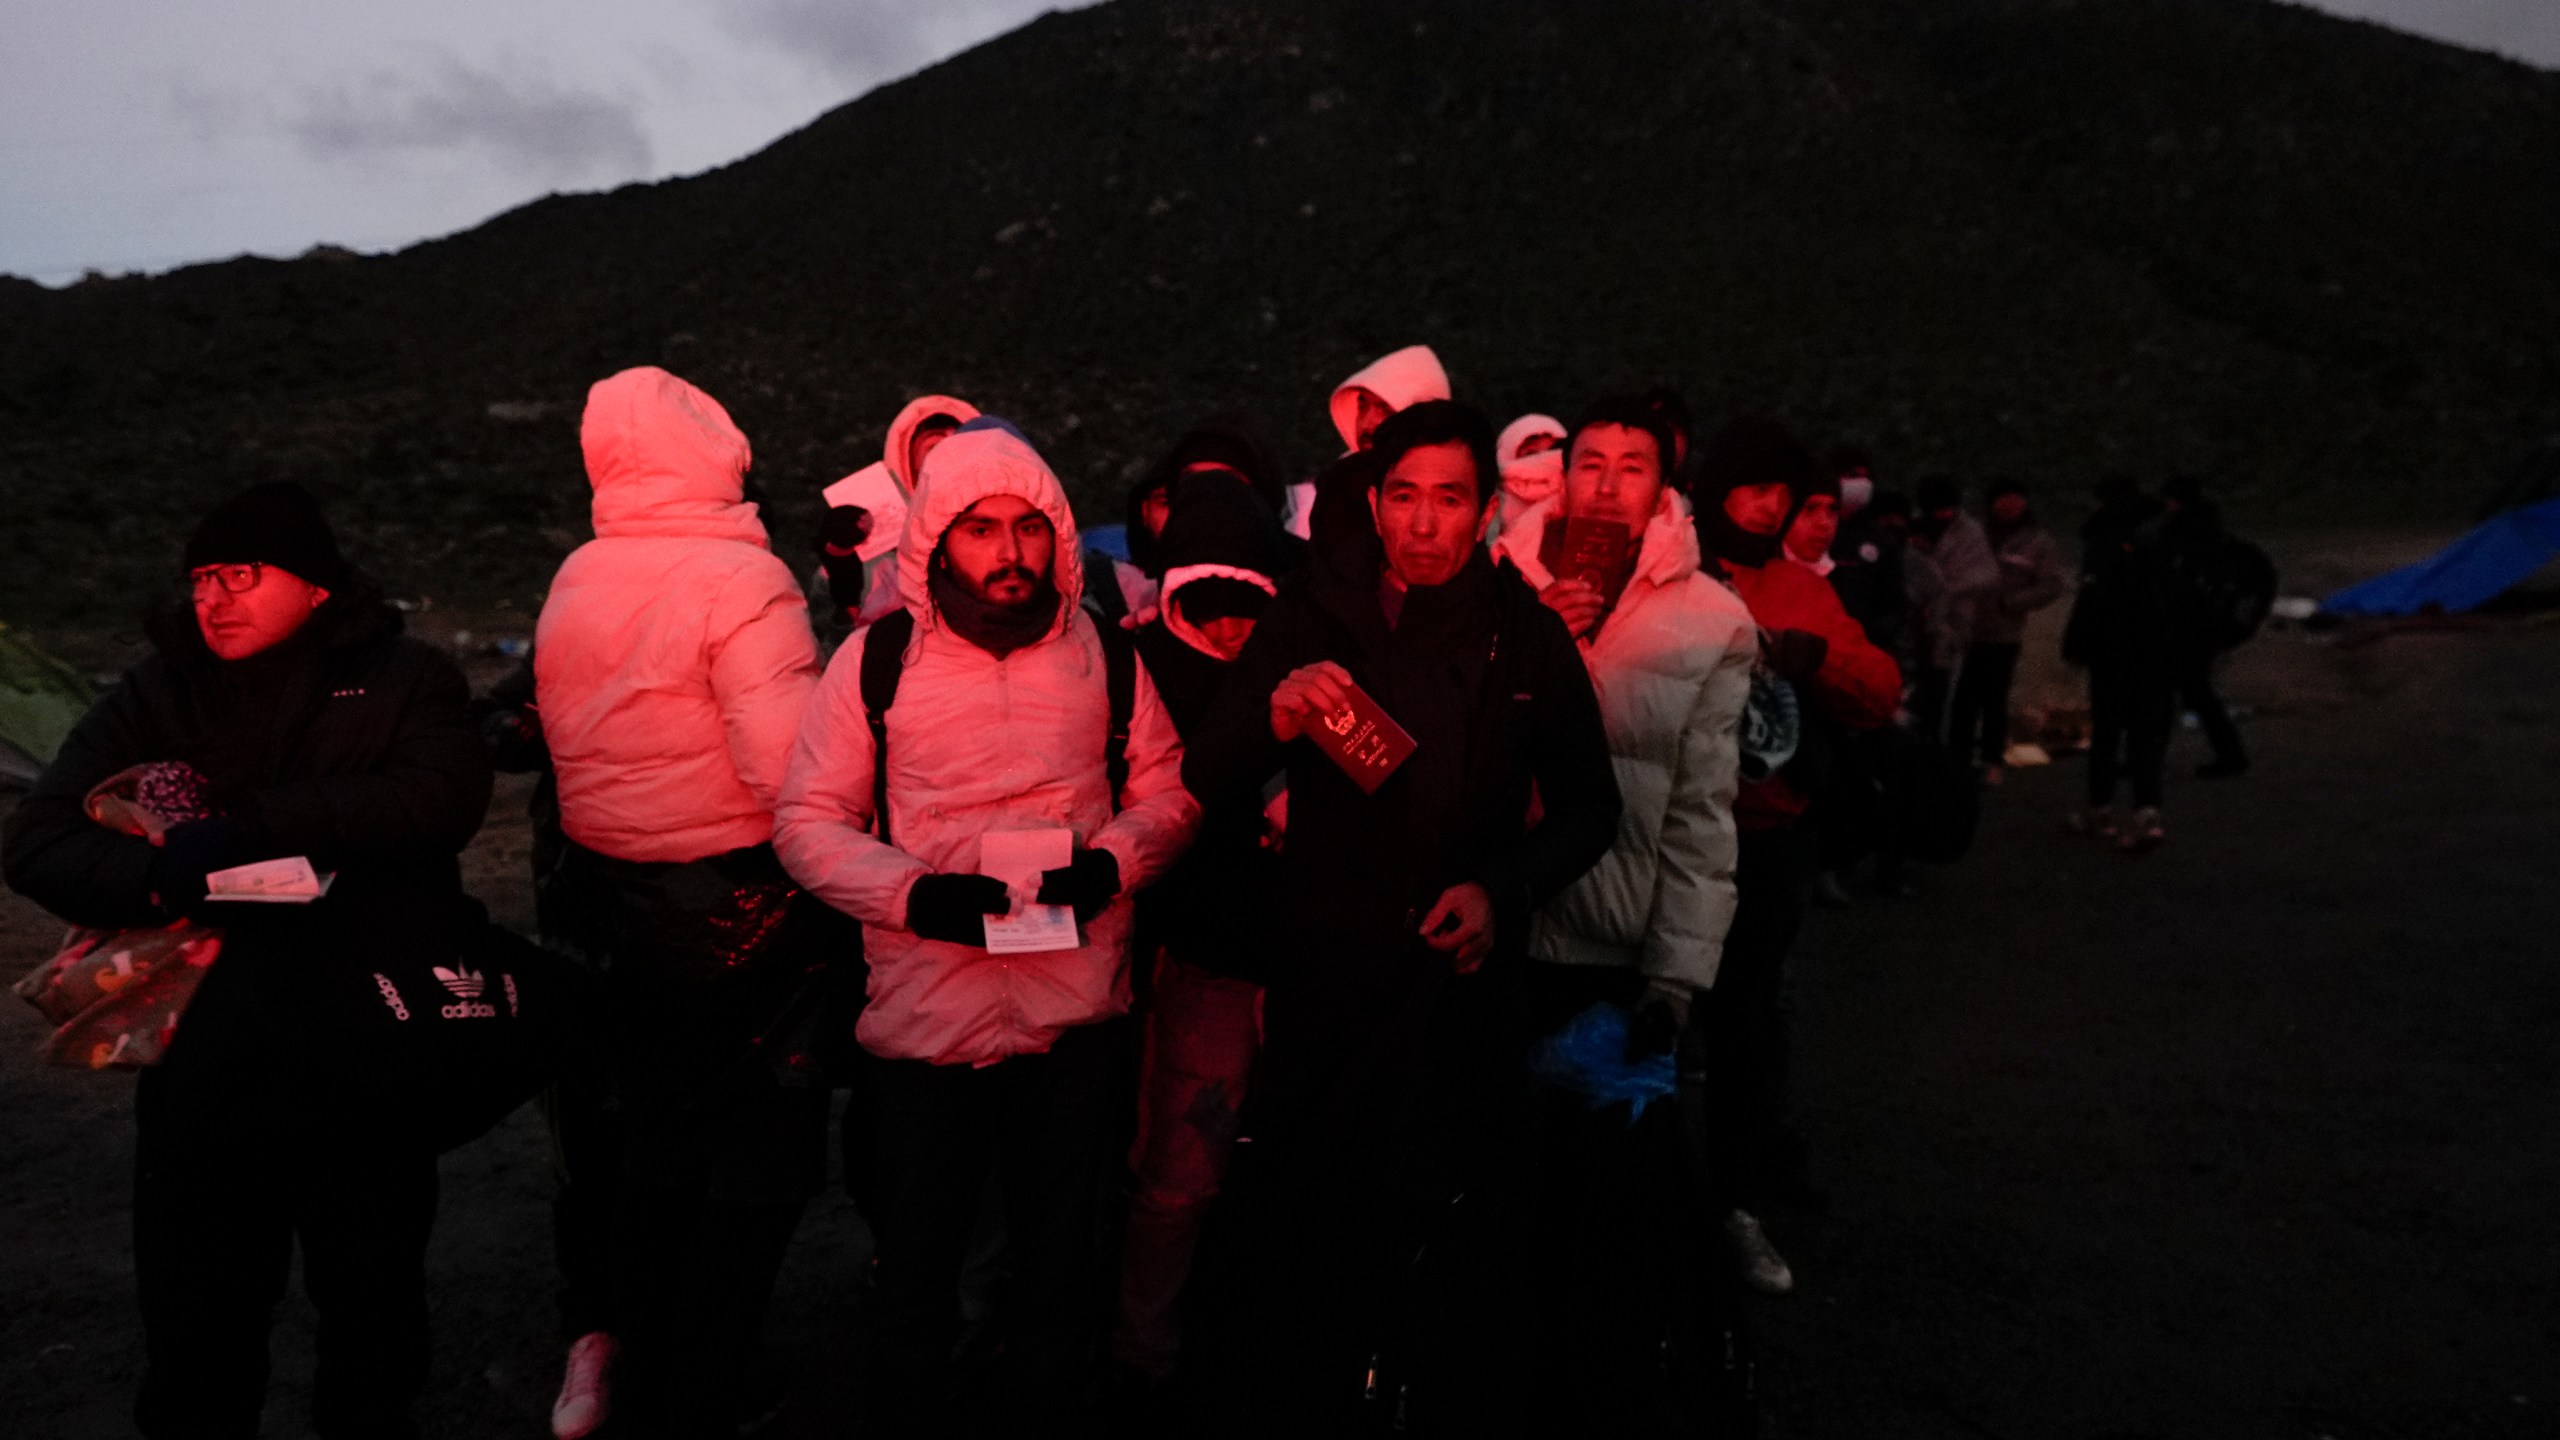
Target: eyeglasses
{"points": [[237, 579]]}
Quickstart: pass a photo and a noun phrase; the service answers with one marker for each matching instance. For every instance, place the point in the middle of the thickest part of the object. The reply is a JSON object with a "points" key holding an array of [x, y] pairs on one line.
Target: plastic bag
{"points": [[1588, 1057], [114, 996]]}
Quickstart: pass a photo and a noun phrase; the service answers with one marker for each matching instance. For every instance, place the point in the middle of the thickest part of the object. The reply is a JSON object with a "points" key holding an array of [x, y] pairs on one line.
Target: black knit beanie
{"points": [[278, 524]]}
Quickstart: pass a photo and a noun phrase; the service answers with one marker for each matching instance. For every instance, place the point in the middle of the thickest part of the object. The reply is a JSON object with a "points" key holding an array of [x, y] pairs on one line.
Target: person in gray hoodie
{"points": [[2032, 575], [1956, 544]]}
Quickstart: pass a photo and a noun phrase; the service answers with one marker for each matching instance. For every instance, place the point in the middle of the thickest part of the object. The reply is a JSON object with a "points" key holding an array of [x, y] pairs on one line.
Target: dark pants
{"points": [[697, 1275], [1363, 1268], [2196, 692], [217, 1211], [1928, 701], [587, 1143], [2130, 709], [1621, 1279], [1982, 703], [720, 1140], [1044, 1126], [1742, 1042]]}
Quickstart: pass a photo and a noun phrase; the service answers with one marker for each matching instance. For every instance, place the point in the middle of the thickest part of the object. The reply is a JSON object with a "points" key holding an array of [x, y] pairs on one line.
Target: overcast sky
{"points": [[142, 134]]}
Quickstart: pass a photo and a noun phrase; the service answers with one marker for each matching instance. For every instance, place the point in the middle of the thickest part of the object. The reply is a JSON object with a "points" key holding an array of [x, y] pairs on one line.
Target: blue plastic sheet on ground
{"points": [[1588, 1057], [2470, 572]]}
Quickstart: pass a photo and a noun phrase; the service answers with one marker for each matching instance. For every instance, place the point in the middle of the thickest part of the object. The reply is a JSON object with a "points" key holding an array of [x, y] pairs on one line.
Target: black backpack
{"points": [[2229, 591], [884, 652]]}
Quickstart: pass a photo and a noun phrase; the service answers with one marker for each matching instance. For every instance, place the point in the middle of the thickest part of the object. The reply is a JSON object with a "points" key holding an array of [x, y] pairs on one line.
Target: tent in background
{"points": [[2470, 572], [40, 700]]}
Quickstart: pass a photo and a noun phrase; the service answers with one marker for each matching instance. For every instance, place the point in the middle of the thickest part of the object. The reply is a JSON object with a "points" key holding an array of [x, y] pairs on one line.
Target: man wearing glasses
{"points": [[282, 714]]}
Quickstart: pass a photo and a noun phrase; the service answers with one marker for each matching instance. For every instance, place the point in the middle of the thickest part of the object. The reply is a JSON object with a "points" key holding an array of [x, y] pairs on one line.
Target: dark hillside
{"points": [[2317, 259]]}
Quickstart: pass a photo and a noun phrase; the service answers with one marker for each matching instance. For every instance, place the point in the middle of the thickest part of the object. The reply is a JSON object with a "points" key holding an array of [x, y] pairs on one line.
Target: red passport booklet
{"points": [[1364, 740], [1600, 551]]}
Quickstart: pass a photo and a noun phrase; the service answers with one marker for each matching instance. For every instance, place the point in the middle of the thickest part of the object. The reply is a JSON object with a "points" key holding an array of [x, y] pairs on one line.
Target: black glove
{"points": [[1088, 882], [1796, 654], [840, 536], [955, 907], [187, 854], [1660, 1017]]}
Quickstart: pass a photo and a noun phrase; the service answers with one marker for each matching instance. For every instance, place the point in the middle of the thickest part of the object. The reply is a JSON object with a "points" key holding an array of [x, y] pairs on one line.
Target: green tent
{"points": [[40, 700]]}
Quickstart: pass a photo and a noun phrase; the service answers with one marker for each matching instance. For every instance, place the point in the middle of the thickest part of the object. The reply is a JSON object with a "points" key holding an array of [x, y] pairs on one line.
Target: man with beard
{"points": [[993, 704], [2032, 576], [1376, 1217], [1749, 477]]}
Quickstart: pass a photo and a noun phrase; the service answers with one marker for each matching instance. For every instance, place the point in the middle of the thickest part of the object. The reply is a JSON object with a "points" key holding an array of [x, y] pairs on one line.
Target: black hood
{"points": [[1235, 439], [1754, 450], [1218, 519]]}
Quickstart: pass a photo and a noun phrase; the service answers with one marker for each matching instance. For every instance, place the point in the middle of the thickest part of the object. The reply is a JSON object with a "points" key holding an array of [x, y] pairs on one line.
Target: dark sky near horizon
{"points": [[139, 135]]}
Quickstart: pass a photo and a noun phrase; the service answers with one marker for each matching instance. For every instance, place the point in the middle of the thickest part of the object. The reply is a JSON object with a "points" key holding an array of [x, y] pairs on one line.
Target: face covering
{"points": [[1533, 478]]}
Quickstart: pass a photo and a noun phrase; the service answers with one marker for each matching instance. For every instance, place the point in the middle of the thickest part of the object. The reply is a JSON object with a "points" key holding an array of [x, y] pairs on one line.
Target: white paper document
{"points": [[1017, 857], [874, 489], [290, 881]]}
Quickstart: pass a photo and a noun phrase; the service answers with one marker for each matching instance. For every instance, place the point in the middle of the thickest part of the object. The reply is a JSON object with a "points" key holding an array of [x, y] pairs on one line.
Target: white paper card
{"points": [[1017, 857], [874, 489], [290, 881]]}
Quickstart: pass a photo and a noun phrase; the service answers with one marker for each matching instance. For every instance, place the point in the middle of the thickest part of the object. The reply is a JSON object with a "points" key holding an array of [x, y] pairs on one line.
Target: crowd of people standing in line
{"points": [[1269, 1134]]}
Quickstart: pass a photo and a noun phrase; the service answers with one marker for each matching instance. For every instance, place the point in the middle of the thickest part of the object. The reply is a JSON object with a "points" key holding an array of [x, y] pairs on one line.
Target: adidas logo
{"points": [[465, 983]]}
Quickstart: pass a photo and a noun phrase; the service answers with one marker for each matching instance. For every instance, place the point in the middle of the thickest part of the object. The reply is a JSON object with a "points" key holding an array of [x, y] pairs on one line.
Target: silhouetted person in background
{"points": [[2119, 632], [2192, 535], [2032, 575]]}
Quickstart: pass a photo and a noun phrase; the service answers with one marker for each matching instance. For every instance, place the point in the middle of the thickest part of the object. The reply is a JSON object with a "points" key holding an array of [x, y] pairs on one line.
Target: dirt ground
{"points": [[2252, 1137]]}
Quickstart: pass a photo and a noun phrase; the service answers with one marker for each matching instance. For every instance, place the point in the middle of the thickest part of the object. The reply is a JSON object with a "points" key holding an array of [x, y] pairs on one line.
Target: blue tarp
{"points": [[1111, 540], [2464, 575]]}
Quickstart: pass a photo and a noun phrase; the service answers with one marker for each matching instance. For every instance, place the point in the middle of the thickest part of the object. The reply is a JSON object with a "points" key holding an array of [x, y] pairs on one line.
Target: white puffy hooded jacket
{"points": [[1526, 479], [880, 572], [979, 744], [673, 657], [1401, 379], [1672, 664]]}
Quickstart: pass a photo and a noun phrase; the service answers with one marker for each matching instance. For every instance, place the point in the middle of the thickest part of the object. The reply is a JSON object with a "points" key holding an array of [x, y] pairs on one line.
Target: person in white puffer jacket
{"points": [[1671, 657], [999, 722]]}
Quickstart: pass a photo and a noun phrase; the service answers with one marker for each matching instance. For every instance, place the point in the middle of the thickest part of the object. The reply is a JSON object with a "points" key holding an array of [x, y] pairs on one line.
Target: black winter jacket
{"points": [[1228, 872], [365, 761], [1487, 681]]}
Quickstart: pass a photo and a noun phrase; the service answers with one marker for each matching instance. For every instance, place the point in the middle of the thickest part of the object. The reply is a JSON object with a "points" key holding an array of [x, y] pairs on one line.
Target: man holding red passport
{"points": [[1414, 694]]}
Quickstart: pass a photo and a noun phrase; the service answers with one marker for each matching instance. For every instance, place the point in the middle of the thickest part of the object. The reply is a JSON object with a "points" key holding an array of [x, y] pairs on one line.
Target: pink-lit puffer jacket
{"points": [[978, 744], [673, 657]]}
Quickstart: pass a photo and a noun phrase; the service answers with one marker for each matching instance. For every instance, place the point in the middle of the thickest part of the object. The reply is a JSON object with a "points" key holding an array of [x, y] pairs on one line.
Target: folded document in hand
{"points": [[290, 881]]}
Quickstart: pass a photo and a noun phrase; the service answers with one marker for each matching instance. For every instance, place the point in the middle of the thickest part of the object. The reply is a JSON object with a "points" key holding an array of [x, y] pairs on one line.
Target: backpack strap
{"points": [[884, 661], [1120, 683]]}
